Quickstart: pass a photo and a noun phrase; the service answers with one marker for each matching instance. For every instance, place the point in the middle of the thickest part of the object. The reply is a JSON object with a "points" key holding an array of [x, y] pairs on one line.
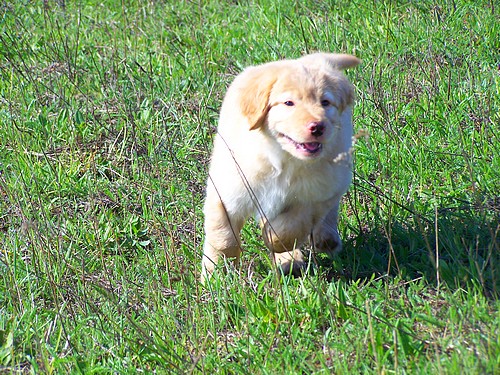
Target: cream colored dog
{"points": [[282, 153]]}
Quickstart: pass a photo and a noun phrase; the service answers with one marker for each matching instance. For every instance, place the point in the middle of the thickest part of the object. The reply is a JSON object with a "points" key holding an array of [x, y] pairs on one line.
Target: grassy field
{"points": [[107, 111]]}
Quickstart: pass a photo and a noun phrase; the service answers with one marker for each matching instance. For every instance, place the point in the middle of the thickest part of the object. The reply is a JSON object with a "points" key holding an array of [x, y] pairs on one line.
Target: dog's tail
{"points": [[339, 61]]}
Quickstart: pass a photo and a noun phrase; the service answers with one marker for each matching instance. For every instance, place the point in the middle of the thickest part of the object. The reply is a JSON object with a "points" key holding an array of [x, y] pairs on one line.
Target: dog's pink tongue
{"points": [[311, 146]]}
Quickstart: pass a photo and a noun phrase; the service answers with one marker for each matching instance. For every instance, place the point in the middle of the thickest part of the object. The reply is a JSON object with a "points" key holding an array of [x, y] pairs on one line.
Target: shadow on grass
{"points": [[464, 250]]}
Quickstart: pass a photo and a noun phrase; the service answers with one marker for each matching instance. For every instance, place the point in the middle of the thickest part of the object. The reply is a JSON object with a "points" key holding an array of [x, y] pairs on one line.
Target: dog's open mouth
{"points": [[307, 147]]}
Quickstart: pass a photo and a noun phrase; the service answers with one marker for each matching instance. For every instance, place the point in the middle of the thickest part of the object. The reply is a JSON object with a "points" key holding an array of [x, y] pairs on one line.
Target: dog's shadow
{"points": [[464, 250]]}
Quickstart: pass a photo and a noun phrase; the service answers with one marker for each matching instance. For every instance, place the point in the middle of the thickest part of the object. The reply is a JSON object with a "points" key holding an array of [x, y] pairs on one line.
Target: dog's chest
{"points": [[287, 187]]}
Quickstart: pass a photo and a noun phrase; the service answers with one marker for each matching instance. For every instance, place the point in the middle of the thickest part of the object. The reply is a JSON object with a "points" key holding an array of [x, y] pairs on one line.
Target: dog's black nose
{"points": [[316, 128]]}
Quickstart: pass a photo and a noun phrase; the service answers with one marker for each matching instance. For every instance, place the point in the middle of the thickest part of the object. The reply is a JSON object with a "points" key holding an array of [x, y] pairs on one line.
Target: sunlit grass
{"points": [[107, 112]]}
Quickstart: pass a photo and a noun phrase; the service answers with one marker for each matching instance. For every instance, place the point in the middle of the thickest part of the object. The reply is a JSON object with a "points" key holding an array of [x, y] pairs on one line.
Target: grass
{"points": [[107, 111]]}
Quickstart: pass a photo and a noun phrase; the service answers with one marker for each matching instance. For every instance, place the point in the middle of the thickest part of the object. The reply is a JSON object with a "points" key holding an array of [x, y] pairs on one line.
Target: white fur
{"points": [[255, 171]]}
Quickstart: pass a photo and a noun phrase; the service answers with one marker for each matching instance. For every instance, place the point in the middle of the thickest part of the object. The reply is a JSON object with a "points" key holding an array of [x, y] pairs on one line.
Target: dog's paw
{"points": [[291, 263], [330, 245], [294, 268]]}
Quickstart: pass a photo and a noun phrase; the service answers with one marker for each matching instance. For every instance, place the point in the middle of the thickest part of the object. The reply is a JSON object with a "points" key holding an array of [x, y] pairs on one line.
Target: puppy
{"points": [[281, 154]]}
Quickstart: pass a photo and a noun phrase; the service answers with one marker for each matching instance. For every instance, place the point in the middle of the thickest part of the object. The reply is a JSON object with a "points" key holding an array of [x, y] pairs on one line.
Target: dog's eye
{"points": [[289, 103], [325, 103]]}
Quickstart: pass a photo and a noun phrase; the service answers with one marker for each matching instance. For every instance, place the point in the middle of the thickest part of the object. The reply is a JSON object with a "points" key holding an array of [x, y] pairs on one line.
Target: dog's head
{"points": [[298, 102]]}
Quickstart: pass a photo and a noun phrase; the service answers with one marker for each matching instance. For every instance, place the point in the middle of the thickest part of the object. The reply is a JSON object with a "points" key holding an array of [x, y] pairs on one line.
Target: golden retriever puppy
{"points": [[281, 154]]}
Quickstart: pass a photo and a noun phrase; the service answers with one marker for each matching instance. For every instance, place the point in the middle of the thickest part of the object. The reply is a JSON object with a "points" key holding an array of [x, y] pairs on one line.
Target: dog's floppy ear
{"points": [[338, 61], [253, 87]]}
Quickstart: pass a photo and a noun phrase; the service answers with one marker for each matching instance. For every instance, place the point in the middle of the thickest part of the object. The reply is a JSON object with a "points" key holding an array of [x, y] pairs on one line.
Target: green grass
{"points": [[107, 111]]}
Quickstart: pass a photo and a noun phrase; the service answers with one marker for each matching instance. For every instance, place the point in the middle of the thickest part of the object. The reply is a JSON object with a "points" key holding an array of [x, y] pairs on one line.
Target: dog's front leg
{"points": [[222, 235], [284, 235], [325, 235]]}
